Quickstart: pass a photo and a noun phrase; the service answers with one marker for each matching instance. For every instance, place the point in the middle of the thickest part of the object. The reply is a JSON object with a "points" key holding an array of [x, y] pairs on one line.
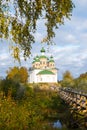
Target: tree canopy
{"points": [[79, 83], [18, 74], [18, 20], [68, 80]]}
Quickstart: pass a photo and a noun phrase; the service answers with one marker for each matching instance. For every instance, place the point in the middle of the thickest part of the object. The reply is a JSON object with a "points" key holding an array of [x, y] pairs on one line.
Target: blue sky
{"points": [[69, 51]]}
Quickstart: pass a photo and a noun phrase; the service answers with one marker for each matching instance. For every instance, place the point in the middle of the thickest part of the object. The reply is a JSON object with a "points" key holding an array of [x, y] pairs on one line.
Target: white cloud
{"points": [[3, 64], [65, 49], [70, 38], [3, 56], [82, 25]]}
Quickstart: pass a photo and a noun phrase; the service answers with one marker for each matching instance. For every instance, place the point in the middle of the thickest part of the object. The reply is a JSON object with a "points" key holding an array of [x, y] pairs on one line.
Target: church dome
{"points": [[36, 59], [42, 50], [51, 59], [43, 56]]}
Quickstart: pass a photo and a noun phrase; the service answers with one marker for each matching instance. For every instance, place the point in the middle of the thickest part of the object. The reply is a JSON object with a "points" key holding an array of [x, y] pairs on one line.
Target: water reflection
{"points": [[57, 124]]}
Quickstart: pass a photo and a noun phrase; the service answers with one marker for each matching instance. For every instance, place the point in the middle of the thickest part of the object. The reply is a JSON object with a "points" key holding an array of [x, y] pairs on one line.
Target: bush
{"points": [[8, 86]]}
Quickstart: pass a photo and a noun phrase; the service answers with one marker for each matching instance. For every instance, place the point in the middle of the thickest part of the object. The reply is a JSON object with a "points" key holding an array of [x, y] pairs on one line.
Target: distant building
{"points": [[43, 69]]}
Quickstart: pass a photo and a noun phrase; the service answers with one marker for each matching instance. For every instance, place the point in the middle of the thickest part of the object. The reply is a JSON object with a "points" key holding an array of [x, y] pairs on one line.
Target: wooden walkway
{"points": [[77, 100]]}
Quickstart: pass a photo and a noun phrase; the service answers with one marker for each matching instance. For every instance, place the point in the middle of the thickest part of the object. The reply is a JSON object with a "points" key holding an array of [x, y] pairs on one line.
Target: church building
{"points": [[43, 69]]}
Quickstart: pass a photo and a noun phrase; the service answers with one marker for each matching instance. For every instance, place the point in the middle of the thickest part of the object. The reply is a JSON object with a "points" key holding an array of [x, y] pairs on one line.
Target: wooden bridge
{"points": [[77, 100]]}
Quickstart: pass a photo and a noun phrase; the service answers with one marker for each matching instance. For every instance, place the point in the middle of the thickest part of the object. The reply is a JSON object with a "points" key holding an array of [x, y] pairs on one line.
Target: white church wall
{"points": [[33, 76], [46, 78]]}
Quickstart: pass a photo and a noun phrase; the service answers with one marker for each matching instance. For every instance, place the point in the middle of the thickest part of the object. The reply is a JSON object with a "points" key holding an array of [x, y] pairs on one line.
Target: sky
{"points": [[69, 51]]}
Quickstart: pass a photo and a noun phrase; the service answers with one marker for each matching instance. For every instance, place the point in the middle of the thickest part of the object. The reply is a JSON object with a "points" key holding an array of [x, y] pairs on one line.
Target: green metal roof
{"points": [[43, 56], [51, 57], [45, 72], [37, 60], [51, 60]]}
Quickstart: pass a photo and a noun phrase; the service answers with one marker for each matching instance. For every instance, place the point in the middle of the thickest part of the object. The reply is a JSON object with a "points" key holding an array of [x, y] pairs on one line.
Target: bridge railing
{"points": [[78, 99]]}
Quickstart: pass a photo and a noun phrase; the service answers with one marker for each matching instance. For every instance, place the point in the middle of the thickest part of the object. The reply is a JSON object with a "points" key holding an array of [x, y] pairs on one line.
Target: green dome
{"points": [[43, 57], [42, 50], [51, 59], [36, 59]]}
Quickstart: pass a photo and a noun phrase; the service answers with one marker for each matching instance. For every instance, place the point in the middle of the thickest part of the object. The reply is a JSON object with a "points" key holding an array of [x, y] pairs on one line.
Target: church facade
{"points": [[43, 69]]}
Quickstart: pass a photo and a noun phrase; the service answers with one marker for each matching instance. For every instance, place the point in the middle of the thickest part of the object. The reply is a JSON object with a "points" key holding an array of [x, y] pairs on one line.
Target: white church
{"points": [[43, 69]]}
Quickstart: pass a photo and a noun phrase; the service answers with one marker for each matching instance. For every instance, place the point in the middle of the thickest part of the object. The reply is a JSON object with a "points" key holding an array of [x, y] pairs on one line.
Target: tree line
{"points": [[79, 83], [18, 74]]}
